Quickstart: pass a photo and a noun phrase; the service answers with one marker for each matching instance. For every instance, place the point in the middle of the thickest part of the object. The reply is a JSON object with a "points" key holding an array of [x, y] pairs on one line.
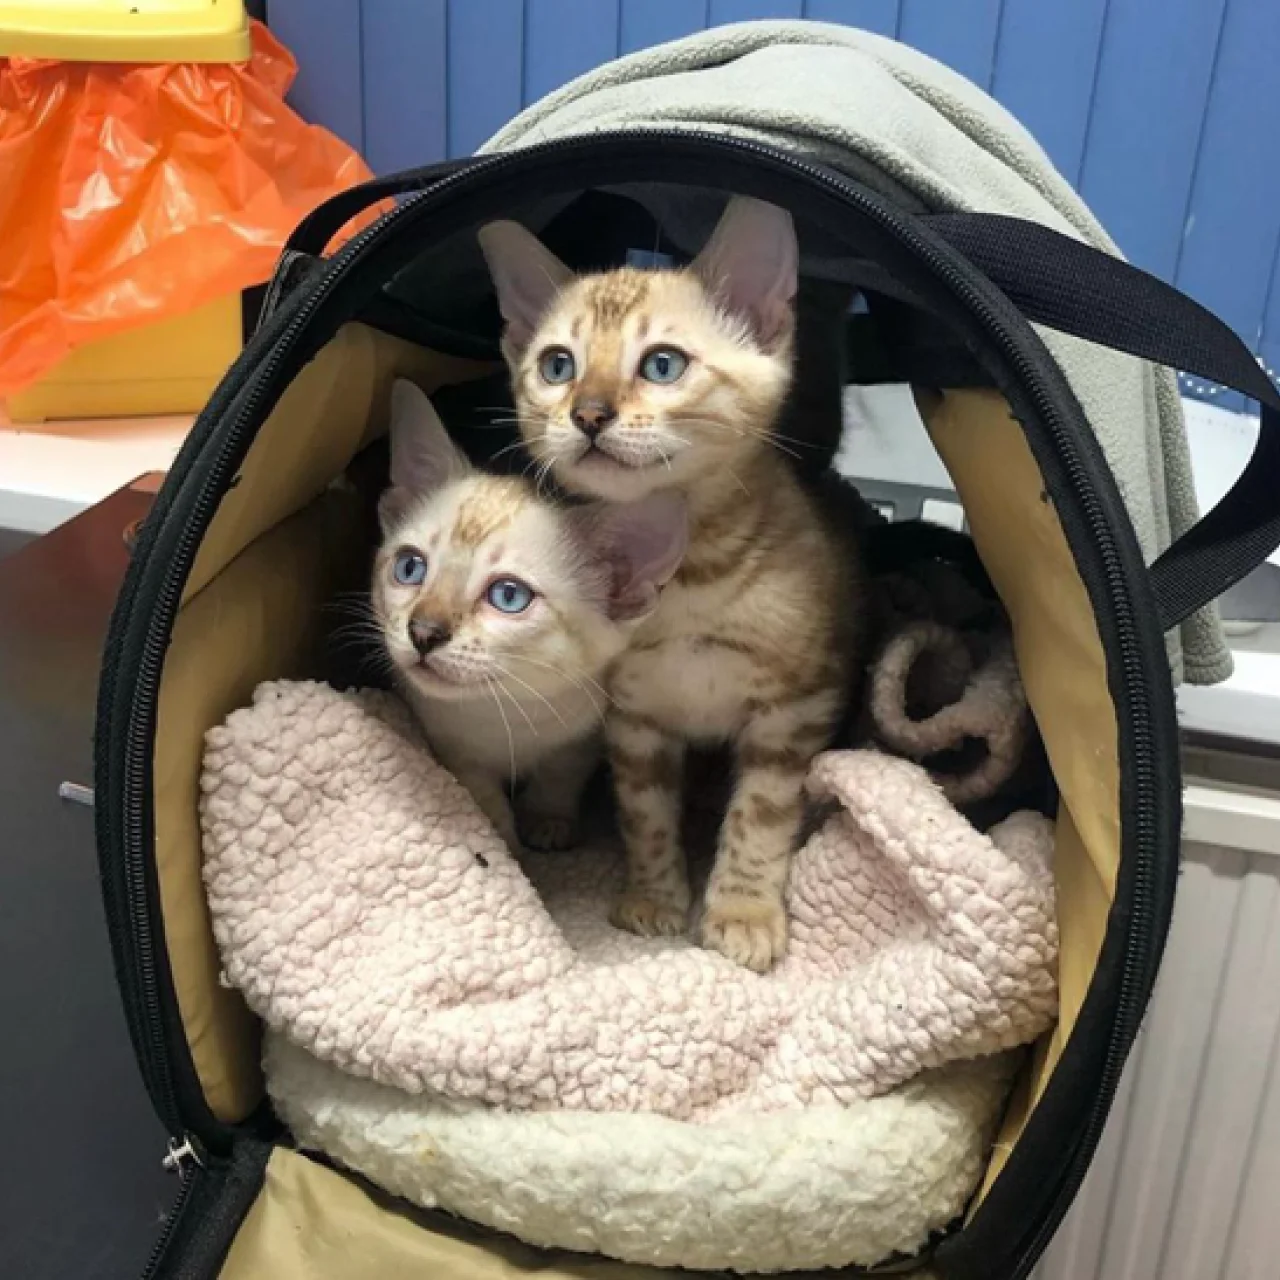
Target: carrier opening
{"points": [[296, 532]]}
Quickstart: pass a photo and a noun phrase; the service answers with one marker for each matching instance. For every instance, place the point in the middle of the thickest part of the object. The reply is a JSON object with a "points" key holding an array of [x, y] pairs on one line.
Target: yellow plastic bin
{"points": [[171, 366], [125, 30]]}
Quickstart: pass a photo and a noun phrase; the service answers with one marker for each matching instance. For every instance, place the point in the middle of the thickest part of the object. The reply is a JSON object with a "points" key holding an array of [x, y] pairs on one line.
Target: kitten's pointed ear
{"points": [[422, 456], [526, 275], [751, 265], [641, 544]]}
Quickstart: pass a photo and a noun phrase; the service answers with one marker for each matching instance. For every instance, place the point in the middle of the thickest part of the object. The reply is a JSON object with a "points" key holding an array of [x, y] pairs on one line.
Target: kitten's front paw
{"points": [[649, 917], [548, 832], [750, 932]]}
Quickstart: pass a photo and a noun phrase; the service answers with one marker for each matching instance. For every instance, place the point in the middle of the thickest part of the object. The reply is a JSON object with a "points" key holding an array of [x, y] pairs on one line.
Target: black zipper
{"points": [[172, 1221], [206, 1215], [235, 413]]}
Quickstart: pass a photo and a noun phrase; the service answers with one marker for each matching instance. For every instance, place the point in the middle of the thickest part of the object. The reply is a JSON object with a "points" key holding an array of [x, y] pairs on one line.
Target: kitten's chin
{"points": [[598, 475], [443, 687]]}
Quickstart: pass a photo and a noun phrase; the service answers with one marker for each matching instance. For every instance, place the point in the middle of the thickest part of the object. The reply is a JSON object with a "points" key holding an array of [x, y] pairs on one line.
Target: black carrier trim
{"points": [[1019, 1216], [211, 1205]]}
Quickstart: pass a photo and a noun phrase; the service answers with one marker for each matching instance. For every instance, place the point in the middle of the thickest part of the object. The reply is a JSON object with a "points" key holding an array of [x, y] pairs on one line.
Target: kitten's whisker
{"points": [[506, 448], [352, 639], [362, 619], [772, 437], [782, 448], [541, 475], [576, 680], [382, 663], [515, 702], [524, 684], [506, 724], [753, 433], [348, 613]]}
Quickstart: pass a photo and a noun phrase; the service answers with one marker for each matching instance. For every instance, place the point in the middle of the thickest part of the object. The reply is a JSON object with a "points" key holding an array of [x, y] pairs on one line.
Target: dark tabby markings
{"points": [[755, 755], [658, 772]]}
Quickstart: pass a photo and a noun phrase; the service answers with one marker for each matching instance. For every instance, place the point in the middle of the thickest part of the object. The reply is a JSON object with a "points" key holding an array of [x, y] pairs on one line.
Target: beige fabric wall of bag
{"points": [[280, 546]]}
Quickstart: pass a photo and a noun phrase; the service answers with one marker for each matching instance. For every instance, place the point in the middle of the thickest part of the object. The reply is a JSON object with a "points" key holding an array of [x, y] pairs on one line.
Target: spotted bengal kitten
{"points": [[632, 381]]}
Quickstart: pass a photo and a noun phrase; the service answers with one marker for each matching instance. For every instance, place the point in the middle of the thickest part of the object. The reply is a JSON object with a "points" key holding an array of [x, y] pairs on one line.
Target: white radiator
{"points": [[1186, 1182]]}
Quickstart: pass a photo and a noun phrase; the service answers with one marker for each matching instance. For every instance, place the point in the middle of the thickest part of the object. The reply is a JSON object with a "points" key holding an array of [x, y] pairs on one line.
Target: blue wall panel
{"points": [[1144, 130], [650, 22], [961, 35], [1233, 220], [1270, 346], [405, 109], [564, 38], [324, 36], [745, 10], [485, 70], [1163, 112], [871, 15], [1045, 63]]}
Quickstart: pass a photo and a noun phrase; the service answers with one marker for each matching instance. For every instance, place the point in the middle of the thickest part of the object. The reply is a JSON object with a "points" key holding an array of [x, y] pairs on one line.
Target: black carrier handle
{"points": [[1064, 284], [312, 235]]}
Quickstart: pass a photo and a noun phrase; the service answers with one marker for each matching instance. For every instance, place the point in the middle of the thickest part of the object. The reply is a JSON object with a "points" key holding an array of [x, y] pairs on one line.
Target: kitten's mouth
{"points": [[438, 679], [595, 455]]}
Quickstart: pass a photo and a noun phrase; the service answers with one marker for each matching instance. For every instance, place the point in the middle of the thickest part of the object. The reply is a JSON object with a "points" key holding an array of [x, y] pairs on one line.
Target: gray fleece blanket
{"points": [[915, 130]]}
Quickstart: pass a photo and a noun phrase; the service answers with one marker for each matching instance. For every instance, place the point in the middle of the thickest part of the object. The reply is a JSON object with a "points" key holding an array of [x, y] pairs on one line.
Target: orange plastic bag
{"points": [[132, 193]]}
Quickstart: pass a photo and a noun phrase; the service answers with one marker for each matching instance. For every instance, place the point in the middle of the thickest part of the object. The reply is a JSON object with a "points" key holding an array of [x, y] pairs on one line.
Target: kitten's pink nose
{"points": [[426, 636], [591, 415]]}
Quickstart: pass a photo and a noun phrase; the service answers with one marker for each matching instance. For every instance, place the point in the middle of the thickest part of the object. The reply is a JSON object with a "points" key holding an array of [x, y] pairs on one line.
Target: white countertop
{"points": [[1248, 704], [51, 471]]}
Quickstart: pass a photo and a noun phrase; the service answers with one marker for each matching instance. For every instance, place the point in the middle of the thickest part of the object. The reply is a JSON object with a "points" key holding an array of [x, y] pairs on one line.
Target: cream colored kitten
{"points": [[501, 612], [630, 383]]}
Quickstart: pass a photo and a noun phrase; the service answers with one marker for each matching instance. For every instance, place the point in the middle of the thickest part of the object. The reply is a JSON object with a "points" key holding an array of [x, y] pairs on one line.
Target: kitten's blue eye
{"points": [[509, 595], [556, 365], [664, 364], [409, 568]]}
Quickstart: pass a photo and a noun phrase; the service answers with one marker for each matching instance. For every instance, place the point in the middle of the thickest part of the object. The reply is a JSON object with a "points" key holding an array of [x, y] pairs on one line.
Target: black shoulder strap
{"points": [[1061, 283]]}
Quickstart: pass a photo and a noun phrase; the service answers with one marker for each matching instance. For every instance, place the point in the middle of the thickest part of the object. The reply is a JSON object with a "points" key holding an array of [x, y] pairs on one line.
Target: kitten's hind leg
{"points": [[548, 809], [745, 916], [648, 768]]}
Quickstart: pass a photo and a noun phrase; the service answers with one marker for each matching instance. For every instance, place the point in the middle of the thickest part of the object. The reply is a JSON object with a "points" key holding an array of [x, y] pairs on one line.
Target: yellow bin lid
{"points": [[125, 30]]}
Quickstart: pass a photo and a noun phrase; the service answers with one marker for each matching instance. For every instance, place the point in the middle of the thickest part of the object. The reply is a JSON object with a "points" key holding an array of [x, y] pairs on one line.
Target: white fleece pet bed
{"points": [[481, 1040]]}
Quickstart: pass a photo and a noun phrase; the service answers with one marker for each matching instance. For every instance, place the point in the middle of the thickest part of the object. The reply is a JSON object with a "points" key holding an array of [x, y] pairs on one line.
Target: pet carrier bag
{"points": [[265, 517]]}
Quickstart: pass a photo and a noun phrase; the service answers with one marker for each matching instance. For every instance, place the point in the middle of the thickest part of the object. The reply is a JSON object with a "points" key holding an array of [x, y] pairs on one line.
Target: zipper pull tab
{"points": [[180, 1152]]}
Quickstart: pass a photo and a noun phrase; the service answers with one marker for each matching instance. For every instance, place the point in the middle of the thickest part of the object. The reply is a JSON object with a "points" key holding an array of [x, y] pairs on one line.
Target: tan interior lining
{"points": [[1063, 668], [253, 612], [280, 546], [335, 406], [311, 1223], [256, 620]]}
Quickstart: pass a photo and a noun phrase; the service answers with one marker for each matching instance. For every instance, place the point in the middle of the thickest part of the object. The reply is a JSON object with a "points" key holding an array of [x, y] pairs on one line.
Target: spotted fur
{"points": [[756, 638]]}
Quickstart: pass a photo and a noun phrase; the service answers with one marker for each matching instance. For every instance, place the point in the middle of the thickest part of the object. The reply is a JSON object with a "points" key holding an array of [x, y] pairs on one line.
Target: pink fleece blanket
{"points": [[366, 909]]}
